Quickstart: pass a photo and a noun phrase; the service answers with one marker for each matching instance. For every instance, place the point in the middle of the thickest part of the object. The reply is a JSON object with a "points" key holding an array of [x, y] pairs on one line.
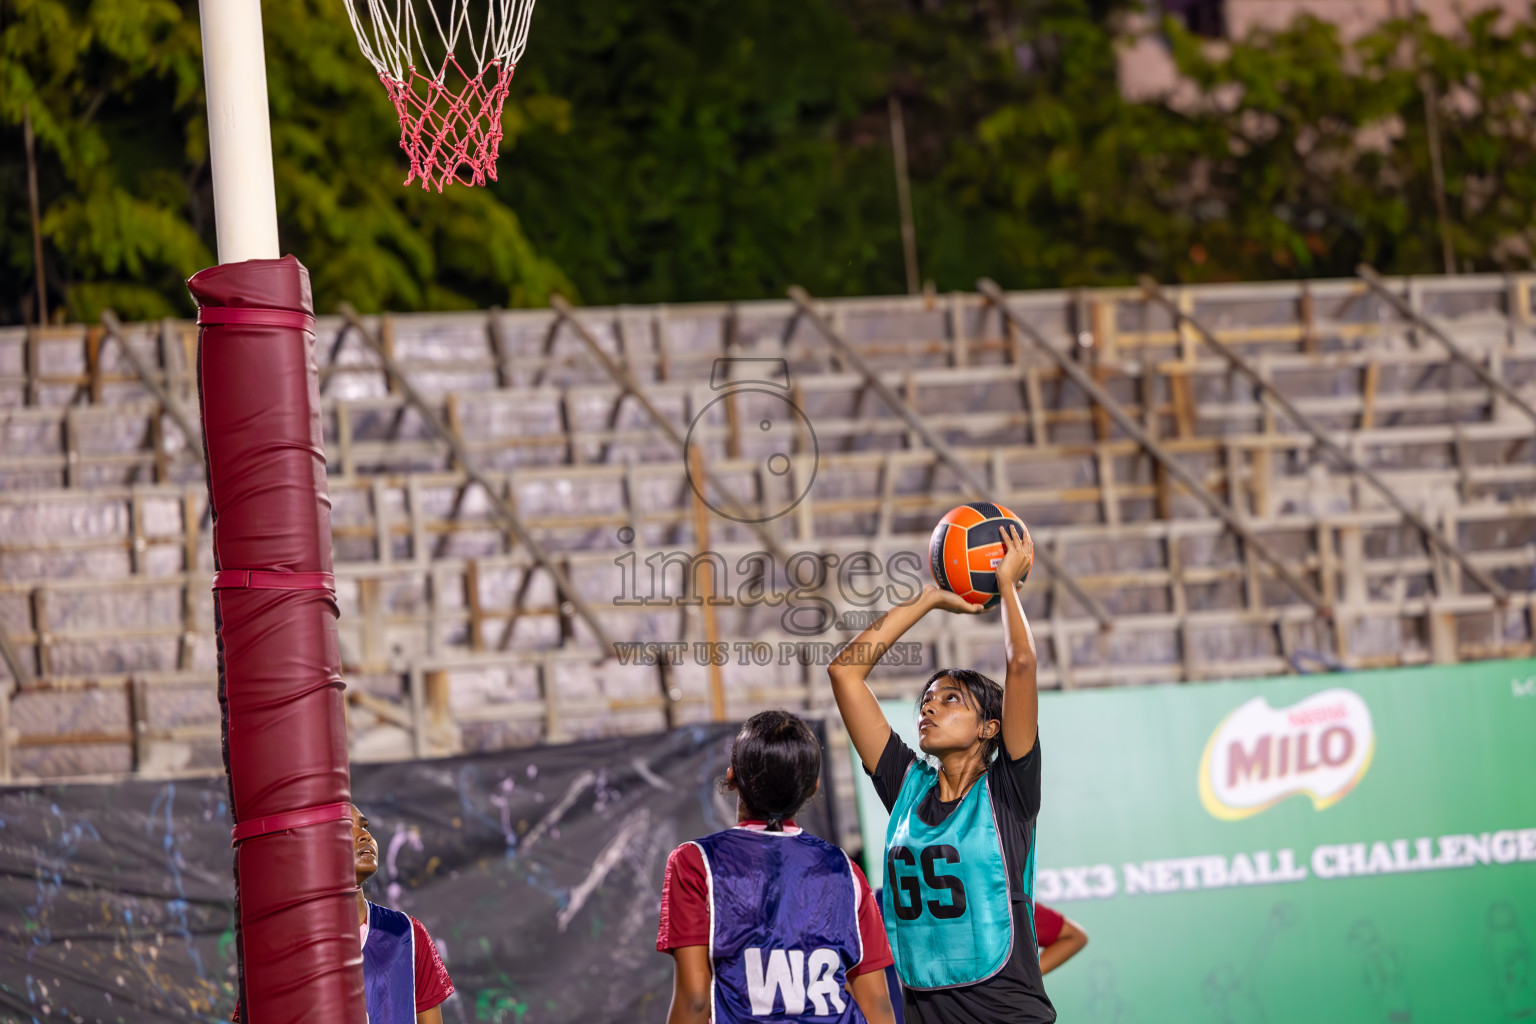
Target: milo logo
{"points": [[1259, 755]]}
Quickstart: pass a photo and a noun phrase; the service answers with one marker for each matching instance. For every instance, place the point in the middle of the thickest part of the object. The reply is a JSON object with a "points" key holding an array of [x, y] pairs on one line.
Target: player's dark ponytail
{"points": [[776, 762]]}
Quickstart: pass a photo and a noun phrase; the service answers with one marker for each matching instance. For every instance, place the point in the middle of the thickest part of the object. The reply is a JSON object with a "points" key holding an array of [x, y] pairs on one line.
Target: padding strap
{"points": [[261, 579], [249, 316], [301, 818]]}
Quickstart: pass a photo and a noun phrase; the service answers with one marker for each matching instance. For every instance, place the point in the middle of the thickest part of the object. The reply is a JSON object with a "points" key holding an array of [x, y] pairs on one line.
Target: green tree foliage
{"points": [[96, 83], [716, 149], [114, 89], [668, 150], [1286, 154]]}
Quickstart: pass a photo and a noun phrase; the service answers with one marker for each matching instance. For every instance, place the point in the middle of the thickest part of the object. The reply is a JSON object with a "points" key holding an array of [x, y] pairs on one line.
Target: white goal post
{"points": [[239, 130]]}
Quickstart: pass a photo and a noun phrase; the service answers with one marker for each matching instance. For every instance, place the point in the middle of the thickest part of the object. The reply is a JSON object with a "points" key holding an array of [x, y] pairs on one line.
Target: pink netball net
{"points": [[448, 84]]}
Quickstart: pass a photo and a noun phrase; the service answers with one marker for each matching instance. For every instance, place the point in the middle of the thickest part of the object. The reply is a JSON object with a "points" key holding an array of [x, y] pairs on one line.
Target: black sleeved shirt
{"points": [[1015, 994]]}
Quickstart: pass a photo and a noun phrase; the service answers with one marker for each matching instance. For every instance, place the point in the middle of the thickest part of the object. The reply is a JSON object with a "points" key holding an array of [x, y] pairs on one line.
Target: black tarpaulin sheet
{"points": [[538, 872]]}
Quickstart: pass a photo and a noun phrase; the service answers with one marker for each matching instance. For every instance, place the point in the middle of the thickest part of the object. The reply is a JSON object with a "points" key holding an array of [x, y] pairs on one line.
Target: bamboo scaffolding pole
{"points": [[19, 673], [169, 402], [707, 594]]}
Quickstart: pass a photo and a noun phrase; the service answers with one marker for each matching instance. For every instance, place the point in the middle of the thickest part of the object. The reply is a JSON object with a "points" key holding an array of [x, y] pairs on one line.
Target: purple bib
{"points": [[389, 967], [784, 928]]}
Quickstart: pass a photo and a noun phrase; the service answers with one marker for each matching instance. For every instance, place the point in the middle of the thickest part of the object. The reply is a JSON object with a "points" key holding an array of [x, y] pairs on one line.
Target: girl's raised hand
{"points": [[1018, 557]]}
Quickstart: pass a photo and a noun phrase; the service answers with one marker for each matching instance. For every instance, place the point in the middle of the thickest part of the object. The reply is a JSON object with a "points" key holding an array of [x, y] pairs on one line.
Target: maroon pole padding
{"points": [[280, 688]]}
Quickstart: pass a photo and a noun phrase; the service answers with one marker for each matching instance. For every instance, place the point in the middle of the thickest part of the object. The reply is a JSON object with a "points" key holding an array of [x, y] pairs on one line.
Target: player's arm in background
{"points": [[684, 933], [1069, 942], [1021, 698], [691, 975], [849, 671], [868, 982], [873, 995], [432, 1016]]}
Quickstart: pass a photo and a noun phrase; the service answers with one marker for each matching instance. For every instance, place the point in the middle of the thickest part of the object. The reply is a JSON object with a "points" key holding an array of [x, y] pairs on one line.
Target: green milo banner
{"points": [[1355, 847]]}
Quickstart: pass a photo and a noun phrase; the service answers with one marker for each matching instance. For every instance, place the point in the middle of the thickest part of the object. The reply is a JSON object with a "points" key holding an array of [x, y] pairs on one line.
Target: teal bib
{"points": [[947, 906]]}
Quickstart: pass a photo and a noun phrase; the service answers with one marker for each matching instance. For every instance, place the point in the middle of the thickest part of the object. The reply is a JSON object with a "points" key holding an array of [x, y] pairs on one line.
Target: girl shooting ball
{"points": [[959, 856]]}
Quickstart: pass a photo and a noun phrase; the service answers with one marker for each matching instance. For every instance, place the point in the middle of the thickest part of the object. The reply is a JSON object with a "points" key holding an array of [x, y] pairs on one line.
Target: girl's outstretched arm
{"points": [[1067, 945], [874, 997], [692, 973], [856, 702], [1021, 697]]}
